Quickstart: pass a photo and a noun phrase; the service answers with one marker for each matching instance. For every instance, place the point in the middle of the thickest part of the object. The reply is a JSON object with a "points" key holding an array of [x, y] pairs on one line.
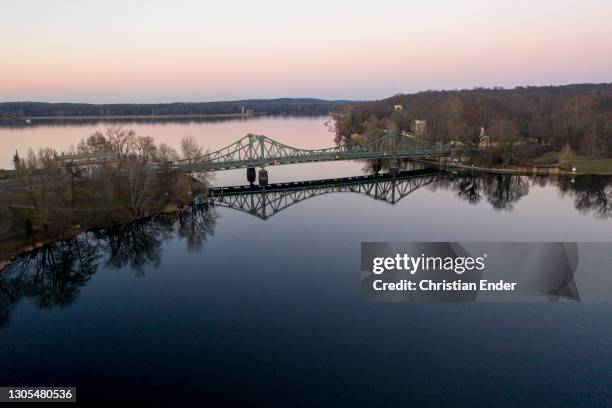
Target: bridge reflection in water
{"points": [[264, 202]]}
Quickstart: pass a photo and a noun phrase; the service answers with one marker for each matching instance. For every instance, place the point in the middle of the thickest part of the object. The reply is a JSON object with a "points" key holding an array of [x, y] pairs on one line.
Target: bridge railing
{"points": [[87, 158]]}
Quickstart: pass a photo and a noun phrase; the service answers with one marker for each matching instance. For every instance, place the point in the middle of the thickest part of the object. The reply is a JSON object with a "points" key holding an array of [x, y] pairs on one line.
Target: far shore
{"points": [[173, 116]]}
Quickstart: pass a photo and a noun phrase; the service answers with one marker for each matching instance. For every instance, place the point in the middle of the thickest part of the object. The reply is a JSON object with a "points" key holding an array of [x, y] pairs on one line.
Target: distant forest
{"points": [[576, 117], [282, 106]]}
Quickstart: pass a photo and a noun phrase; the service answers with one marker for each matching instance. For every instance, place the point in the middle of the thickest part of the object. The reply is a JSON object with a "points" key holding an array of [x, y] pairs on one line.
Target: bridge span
{"points": [[260, 151]]}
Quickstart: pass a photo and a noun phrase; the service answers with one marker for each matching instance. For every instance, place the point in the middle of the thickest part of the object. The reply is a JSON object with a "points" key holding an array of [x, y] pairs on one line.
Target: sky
{"points": [[160, 51]]}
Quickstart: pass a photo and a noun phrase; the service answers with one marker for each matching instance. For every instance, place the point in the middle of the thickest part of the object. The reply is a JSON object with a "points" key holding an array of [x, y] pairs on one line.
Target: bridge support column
{"points": [[251, 175], [263, 177]]}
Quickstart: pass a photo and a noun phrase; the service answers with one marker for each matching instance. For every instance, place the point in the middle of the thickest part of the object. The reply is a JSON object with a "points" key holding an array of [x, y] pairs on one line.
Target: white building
{"points": [[419, 126]]}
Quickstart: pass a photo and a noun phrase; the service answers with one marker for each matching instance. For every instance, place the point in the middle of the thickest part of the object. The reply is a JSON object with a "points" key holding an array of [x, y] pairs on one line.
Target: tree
{"points": [[95, 143], [139, 179], [190, 149], [122, 141], [43, 181], [146, 148], [474, 142], [166, 153], [504, 134]]}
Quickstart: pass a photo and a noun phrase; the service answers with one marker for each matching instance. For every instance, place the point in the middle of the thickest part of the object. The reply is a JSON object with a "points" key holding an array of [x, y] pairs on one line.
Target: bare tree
{"points": [[95, 143], [43, 180], [98, 143], [122, 141], [139, 180], [166, 153], [146, 147], [190, 148], [504, 134]]}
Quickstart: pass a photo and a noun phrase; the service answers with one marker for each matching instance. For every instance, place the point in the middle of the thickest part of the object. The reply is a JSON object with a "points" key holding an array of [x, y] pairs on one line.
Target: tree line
{"points": [[137, 182], [518, 124], [126, 143], [283, 106]]}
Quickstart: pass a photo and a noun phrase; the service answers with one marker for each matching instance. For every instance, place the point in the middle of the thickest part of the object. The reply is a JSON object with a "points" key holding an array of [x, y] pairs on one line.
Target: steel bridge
{"points": [[260, 151], [264, 202]]}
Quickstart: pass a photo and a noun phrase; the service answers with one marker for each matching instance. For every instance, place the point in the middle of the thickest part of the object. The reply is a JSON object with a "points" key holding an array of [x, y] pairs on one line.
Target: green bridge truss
{"points": [[260, 151]]}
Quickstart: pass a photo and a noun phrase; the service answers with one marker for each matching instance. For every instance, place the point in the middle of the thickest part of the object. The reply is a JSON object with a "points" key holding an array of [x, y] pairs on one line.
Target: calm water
{"points": [[221, 305]]}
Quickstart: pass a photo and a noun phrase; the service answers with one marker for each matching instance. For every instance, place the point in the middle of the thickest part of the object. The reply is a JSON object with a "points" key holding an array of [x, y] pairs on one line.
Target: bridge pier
{"points": [[263, 177], [251, 175]]}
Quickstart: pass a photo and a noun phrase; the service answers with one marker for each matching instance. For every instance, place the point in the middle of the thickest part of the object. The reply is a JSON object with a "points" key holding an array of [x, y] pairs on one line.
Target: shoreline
{"points": [[8, 256], [90, 117], [75, 230]]}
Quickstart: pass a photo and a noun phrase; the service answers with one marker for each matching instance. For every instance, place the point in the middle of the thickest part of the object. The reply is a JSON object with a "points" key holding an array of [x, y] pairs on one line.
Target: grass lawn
{"points": [[599, 166], [583, 164]]}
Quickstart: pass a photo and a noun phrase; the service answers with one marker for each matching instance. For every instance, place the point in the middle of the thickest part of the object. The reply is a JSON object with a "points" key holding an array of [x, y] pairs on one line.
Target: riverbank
{"points": [[19, 245], [45, 210]]}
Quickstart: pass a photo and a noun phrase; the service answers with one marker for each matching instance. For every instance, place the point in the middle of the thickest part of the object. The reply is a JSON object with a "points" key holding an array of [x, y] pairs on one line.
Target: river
{"points": [[225, 305]]}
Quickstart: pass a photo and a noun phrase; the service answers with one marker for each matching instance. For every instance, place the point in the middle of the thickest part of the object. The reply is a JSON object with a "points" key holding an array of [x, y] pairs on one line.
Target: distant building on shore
{"points": [[485, 140], [245, 111], [398, 108], [419, 126]]}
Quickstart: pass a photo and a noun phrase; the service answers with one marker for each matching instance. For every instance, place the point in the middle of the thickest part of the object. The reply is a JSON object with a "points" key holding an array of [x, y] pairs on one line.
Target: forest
{"points": [[281, 106], [498, 126]]}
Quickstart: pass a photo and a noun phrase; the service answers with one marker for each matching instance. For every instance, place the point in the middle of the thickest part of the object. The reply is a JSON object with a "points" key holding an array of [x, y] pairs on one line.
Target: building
{"points": [[419, 126], [398, 108], [485, 140]]}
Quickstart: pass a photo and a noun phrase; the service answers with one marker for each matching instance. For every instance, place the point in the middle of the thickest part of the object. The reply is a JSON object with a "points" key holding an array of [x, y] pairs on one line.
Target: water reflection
{"points": [[592, 194], [195, 227], [53, 275], [266, 202], [502, 191]]}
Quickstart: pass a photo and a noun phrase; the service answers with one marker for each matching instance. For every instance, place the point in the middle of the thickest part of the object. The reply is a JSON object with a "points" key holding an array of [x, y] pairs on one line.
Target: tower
{"points": [[17, 163]]}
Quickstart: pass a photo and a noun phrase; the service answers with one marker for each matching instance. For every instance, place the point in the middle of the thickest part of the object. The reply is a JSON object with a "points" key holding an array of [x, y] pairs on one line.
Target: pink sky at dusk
{"points": [[150, 51]]}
